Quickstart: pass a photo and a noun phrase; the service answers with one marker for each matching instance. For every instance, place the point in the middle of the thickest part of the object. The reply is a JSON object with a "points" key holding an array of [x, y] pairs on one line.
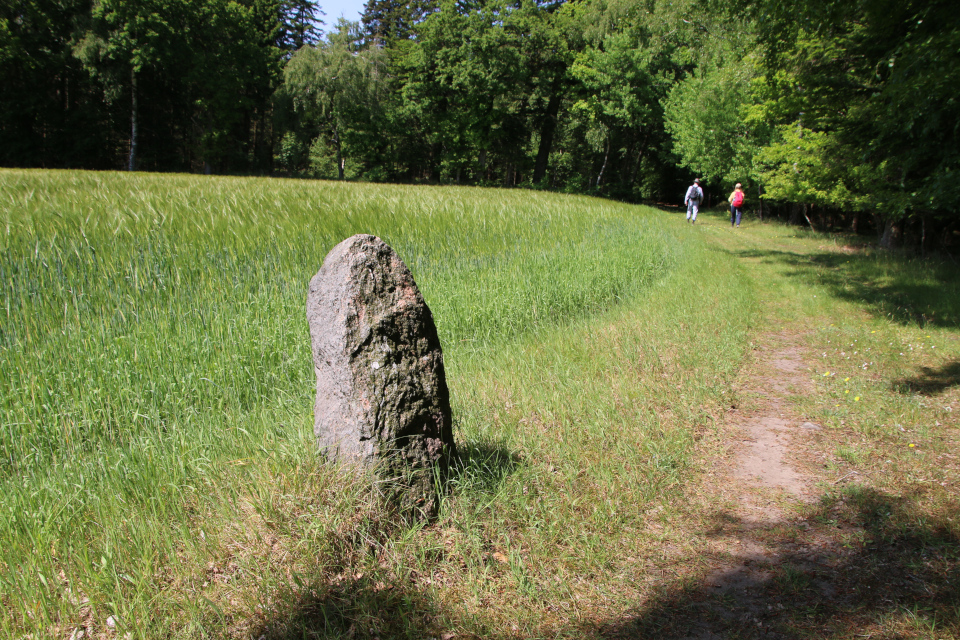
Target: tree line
{"points": [[837, 113]]}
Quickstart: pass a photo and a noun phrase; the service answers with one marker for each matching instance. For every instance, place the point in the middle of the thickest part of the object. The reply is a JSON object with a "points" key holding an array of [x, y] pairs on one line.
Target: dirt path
{"points": [[762, 462], [762, 478], [795, 530], [767, 559]]}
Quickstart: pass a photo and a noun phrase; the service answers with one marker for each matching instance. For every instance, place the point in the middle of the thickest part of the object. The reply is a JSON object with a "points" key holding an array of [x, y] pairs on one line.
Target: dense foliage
{"points": [[824, 106]]}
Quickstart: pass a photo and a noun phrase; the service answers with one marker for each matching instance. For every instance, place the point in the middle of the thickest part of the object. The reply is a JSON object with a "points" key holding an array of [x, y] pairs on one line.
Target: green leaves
{"points": [[872, 88], [340, 87], [848, 105], [809, 167], [619, 88], [130, 35], [708, 116]]}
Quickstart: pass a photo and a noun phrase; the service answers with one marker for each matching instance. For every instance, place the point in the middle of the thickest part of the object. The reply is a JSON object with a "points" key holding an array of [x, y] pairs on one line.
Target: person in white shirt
{"points": [[692, 199]]}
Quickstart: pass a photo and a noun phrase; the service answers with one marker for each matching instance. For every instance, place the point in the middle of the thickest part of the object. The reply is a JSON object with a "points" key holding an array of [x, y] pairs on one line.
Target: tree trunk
{"points": [[336, 142], [482, 160], [546, 133], [923, 236], [760, 200], [270, 139], [807, 216], [132, 160], [640, 154], [606, 156], [888, 239], [207, 167], [261, 142]]}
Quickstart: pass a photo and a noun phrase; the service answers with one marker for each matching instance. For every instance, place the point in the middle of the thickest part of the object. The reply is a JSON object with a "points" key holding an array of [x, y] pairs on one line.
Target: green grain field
{"points": [[157, 473]]}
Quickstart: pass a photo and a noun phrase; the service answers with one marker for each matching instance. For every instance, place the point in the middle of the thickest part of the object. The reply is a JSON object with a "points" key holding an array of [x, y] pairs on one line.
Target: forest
{"points": [[836, 114]]}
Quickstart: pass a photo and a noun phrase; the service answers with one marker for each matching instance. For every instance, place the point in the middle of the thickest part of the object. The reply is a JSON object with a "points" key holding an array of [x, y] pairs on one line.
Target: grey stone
{"points": [[810, 426], [382, 399]]}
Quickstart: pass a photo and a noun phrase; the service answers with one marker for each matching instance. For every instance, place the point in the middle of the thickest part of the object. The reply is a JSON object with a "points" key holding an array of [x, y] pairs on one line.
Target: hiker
{"points": [[736, 205], [692, 199]]}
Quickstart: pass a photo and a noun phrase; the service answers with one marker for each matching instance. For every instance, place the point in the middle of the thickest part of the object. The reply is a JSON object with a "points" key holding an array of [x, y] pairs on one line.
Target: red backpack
{"points": [[737, 198]]}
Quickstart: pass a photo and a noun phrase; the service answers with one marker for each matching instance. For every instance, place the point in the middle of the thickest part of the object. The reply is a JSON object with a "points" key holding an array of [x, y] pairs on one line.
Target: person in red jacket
{"points": [[736, 205]]}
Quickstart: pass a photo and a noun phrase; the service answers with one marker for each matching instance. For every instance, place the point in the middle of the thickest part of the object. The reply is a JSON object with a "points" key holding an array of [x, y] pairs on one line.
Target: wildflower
{"points": [[846, 379], [847, 391], [826, 374], [912, 445], [857, 399]]}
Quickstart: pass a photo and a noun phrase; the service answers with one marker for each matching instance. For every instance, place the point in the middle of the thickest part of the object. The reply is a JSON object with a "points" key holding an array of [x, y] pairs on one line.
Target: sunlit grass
{"points": [[156, 391]]}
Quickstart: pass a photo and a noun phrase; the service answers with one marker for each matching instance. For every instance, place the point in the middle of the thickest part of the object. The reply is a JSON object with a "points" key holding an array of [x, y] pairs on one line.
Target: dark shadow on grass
{"points": [[352, 607], [900, 287], [867, 564], [665, 206], [930, 381], [482, 467]]}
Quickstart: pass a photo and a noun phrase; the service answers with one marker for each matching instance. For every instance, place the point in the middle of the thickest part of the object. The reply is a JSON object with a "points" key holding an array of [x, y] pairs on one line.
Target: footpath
{"points": [[784, 542]]}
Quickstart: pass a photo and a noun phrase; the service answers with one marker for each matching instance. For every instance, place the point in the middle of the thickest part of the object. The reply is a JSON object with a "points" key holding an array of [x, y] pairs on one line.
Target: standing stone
{"points": [[382, 397]]}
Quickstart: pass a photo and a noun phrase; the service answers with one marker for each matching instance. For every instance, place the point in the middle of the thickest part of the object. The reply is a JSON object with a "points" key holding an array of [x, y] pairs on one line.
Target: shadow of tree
{"points": [[930, 381], [355, 607], [869, 565], [482, 467], [905, 289]]}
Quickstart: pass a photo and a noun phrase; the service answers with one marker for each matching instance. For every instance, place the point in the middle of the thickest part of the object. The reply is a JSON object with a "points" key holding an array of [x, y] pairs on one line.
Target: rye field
{"points": [[158, 471], [160, 479]]}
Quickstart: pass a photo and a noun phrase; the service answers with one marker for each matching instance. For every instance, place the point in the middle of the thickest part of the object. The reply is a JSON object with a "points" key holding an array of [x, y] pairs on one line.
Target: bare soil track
{"points": [[768, 561], [786, 546]]}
